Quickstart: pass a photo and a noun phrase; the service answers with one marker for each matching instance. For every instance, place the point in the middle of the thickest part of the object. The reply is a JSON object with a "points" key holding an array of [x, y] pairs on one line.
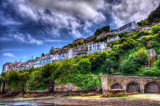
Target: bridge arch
{"points": [[152, 87], [133, 87], [116, 86]]}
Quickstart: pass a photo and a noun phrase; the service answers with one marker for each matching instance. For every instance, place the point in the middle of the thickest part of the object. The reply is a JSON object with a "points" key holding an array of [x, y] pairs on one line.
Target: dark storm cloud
{"points": [[39, 20]]}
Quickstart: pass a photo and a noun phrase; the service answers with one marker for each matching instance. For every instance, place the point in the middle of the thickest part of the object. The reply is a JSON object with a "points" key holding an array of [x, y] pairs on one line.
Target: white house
{"points": [[34, 63], [23, 66], [112, 32], [80, 50], [44, 60], [96, 47], [128, 27], [111, 39], [6, 67], [64, 54], [146, 28], [102, 35]]}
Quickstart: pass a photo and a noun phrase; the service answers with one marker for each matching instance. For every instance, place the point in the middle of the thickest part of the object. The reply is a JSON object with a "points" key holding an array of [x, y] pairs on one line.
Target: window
{"points": [[98, 46]]}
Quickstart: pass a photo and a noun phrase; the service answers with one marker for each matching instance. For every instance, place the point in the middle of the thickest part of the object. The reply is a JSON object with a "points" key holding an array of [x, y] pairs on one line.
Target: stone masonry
{"points": [[66, 87], [131, 83]]}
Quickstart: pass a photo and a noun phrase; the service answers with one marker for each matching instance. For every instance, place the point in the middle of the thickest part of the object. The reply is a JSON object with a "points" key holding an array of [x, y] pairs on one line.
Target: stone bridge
{"points": [[130, 83]]}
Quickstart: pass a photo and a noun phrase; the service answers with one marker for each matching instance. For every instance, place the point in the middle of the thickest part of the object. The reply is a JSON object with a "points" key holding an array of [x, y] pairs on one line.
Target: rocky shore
{"points": [[144, 100]]}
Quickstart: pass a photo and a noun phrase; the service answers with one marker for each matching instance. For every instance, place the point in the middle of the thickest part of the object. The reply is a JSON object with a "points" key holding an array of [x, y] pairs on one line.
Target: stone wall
{"points": [[130, 83], [66, 87]]}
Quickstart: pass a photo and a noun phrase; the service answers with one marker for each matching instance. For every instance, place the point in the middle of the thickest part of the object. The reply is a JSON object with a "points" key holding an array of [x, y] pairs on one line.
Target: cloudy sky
{"points": [[31, 27]]}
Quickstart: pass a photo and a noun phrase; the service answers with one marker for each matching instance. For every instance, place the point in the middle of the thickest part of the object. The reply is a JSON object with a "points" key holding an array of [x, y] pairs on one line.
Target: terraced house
{"points": [[132, 26], [97, 47], [80, 50]]}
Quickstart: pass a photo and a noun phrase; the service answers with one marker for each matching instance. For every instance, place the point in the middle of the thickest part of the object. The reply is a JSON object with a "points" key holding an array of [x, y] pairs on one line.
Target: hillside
{"points": [[127, 57]]}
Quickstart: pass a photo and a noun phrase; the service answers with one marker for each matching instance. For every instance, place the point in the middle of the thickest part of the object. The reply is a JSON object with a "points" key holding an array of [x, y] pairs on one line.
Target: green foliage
{"points": [[155, 29], [13, 78], [1, 80], [134, 62], [99, 31], [97, 59], [35, 81], [106, 28], [84, 66], [157, 63]]}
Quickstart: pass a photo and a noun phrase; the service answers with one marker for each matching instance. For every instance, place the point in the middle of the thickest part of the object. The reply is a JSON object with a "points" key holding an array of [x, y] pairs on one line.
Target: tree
{"points": [[108, 65], [84, 66], [97, 60], [98, 31], [1, 80], [13, 78], [106, 28], [157, 63], [134, 62], [155, 29]]}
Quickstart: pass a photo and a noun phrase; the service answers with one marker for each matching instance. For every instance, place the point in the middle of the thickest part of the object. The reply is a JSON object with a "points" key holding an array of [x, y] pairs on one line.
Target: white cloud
{"points": [[8, 54], [25, 38], [130, 10], [60, 14]]}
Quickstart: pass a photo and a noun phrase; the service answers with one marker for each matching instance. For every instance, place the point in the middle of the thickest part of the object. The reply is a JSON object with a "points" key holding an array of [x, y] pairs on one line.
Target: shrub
{"points": [[134, 62], [155, 29], [1, 80], [84, 66], [157, 63]]}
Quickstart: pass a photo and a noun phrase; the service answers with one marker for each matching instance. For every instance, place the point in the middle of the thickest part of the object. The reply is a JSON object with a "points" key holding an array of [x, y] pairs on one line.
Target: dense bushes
{"points": [[155, 29], [134, 62], [154, 71], [1, 80]]}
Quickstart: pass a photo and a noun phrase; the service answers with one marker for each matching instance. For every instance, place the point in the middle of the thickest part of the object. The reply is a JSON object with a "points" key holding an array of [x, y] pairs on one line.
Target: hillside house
{"points": [[6, 67], [80, 50], [103, 34], [112, 32], [132, 26], [78, 40], [34, 63], [44, 60], [90, 38], [96, 47], [23, 66], [111, 39], [53, 50]]}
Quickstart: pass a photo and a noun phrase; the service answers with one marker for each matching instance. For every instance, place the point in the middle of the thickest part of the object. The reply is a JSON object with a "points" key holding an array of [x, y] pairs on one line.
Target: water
{"points": [[24, 104]]}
